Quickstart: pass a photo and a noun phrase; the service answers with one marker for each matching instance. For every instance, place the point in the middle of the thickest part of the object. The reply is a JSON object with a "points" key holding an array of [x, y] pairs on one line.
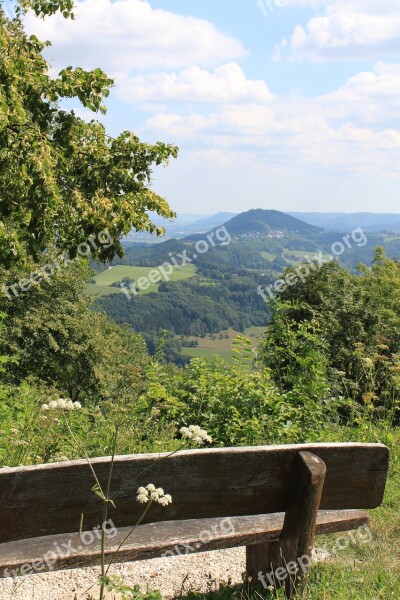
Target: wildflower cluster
{"points": [[150, 492], [61, 404], [196, 434]]}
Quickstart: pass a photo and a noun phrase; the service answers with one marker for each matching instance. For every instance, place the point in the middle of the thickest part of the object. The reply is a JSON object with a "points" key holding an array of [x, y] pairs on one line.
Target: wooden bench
{"points": [[271, 499]]}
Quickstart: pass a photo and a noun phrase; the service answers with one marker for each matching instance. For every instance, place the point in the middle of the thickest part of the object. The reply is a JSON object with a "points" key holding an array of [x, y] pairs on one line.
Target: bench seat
{"points": [[172, 537]]}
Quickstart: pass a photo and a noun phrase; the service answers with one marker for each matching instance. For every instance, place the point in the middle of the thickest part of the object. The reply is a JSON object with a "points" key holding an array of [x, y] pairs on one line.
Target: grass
{"points": [[220, 344], [295, 256], [102, 287], [268, 256], [207, 353]]}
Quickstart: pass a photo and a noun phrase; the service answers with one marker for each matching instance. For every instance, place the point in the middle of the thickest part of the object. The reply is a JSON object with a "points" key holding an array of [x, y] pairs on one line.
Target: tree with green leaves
{"points": [[354, 320], [63, 179], [63, 182], [55, 338]]}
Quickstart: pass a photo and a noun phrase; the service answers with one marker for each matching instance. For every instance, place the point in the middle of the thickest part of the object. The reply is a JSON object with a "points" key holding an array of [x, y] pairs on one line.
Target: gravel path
{"points": [[198, 572], [173, 576]]}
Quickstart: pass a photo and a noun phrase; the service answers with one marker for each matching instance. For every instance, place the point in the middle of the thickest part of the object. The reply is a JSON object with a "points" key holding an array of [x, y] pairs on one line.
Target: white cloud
{"points": [[129, 34], [202, 99], [351, 129], [370, 97], [226, 83], [347, 29]]}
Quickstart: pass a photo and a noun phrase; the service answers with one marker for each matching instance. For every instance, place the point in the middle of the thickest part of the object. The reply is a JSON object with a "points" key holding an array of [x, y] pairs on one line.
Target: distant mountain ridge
{"points": [[345, 222], [183, 226], [260, 221], [216, 220]]}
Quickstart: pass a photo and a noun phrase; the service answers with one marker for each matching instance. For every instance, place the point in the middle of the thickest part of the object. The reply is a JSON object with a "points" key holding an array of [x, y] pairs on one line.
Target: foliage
{"points": [[356, 324], [114, 584], [54, 337], [190, 308], [44, 8], [296, 353], [237, 405], [63, 179]]}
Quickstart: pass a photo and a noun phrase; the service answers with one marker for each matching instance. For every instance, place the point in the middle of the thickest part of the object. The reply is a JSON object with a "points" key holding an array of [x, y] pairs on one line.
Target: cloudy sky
{"points": [[286, 104]]}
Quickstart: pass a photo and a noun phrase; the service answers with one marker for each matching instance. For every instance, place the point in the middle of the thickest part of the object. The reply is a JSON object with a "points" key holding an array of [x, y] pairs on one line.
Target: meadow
{"points": [[220, 344], [103, 281]]}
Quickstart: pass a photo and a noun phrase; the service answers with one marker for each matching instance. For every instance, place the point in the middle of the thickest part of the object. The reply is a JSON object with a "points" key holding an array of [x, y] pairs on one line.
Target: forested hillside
{"points": [[265, 221], [224, 291]]}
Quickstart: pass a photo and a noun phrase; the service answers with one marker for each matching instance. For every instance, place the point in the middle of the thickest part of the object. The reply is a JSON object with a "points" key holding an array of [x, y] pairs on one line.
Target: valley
{"points": [[218, 290]]}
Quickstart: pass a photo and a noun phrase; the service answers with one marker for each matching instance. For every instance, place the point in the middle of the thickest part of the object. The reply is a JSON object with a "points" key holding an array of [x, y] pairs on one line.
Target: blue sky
{"points": [[286, 104]]}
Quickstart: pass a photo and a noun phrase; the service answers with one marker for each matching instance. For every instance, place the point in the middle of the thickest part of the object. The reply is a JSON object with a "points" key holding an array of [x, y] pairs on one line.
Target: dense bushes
{"points": [[330, 356], [341, 330], [237, 405]]}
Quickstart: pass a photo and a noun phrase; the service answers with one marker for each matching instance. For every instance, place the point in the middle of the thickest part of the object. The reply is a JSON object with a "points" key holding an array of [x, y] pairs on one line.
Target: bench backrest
{"points": [[50, 499]]}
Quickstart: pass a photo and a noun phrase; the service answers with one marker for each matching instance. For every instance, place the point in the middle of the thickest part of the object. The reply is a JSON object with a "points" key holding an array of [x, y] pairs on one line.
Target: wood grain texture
{"points": [[297, 537], [169, 538], [49, 499], [258, 559]]}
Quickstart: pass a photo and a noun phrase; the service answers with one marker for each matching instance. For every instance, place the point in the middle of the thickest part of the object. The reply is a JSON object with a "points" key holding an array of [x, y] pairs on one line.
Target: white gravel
{"points": [[172, 576]]}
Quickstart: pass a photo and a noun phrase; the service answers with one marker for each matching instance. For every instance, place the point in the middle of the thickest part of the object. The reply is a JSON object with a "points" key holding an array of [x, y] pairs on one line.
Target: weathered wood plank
{"points": [[156, 539], [258, 559], [297, 538], [49, 499]]}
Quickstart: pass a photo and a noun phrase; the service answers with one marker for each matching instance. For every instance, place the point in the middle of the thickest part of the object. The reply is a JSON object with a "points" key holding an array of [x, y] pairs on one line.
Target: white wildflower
{"points": [[62, 404], [196, 434], [165, 500], [197, 439], [142, 498], [150, 492]]}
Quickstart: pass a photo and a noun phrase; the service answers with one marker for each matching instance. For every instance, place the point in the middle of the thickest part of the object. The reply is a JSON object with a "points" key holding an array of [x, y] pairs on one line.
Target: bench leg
{"points": [[258, 557], [290, 557]]}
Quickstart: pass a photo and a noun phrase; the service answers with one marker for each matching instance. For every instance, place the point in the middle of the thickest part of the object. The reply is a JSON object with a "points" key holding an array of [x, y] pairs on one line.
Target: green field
{"points": [[220, 344], [268, 256], [102, 287], [295, 256]]}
